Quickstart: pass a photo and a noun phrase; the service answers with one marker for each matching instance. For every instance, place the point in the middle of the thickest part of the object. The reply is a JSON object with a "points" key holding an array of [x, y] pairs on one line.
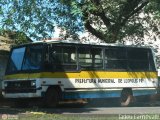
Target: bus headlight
{"points": [[33, 83]]}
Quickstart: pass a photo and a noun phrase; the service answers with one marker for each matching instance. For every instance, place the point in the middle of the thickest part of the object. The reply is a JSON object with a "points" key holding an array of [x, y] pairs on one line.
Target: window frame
{"points": [[92, 66], [23, 71], [62, 46], [114, 59], [149, 61], [25, 56]]}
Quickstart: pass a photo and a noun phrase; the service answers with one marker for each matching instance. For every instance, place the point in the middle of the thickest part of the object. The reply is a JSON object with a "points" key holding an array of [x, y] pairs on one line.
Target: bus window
{"points": [[115, 59], [90, 58], [85, 57], [152, 66], [97, 58], [16, 59], [63, 58], [138, 59], [33, 58], [69, 55]]}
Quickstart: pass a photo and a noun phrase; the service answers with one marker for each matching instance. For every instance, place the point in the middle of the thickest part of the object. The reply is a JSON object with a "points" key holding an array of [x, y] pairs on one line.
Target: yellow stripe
{"points": [[84, 74]]}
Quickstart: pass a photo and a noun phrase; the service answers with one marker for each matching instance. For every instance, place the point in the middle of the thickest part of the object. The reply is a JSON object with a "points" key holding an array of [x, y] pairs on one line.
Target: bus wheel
{"points": [[126, 97], [52, 98]]}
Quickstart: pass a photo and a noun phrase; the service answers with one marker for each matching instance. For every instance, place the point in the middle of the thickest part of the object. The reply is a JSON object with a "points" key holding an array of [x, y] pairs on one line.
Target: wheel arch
{"points": [[58, 88], [128, 90]]}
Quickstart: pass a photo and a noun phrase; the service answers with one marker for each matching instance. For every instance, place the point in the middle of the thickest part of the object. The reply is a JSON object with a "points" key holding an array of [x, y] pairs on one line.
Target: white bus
{"points": [[59, 70]]}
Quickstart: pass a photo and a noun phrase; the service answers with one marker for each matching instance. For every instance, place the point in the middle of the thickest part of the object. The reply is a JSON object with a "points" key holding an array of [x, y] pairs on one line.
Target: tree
{"points": [[108, 20], [17, 37]]}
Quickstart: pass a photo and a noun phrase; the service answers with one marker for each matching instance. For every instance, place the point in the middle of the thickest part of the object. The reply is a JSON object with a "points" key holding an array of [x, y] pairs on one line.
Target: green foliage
{"points": [[108, 20], [21, 38], [17, 37], [37, 17]]}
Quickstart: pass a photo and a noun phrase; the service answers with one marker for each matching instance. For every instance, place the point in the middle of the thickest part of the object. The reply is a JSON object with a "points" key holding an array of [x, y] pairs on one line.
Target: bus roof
{"points": [[80, 43], [87, 43]]}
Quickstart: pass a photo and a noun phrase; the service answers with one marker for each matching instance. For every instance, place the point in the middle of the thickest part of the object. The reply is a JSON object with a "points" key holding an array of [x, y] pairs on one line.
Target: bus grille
{"points": [[20, 87]]}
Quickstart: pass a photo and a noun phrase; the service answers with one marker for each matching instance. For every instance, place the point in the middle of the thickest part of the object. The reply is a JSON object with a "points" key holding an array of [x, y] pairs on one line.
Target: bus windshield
{"points": [[25, 58]]}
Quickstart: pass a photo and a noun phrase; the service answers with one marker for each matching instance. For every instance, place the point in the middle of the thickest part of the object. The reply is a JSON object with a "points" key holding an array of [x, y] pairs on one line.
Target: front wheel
{"points": [[126, 97], [51, 98]]}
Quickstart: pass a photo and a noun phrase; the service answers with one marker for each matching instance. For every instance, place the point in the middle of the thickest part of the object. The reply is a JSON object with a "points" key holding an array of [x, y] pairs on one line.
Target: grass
{"points": [[38, 116], [44, 116], [50, 114]]}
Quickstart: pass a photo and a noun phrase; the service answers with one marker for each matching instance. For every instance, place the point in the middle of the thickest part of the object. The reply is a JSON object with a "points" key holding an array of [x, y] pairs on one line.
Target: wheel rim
{"points": [[126, 98]]}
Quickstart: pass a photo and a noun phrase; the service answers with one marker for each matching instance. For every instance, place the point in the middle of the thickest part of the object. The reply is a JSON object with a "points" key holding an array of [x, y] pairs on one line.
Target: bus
{"points": [[158, 80], [60, 70]]}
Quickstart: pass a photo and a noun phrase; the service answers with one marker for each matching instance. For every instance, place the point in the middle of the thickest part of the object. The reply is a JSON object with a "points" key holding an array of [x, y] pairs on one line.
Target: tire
{"points": [[126, 97], [52, 98]]}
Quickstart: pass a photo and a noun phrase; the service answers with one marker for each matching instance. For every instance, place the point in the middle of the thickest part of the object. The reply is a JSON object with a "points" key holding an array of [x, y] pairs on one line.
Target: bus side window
{"points": [[47, 65], [85, 58], [63, 58], [56, 58], [152, 66], [138, 59], [115, 59], [69, 58], [90, 58], [97, 58]]}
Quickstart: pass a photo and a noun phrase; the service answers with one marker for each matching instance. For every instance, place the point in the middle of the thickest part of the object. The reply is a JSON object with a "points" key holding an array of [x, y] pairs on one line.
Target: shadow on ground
{"points": [[6, 107]]}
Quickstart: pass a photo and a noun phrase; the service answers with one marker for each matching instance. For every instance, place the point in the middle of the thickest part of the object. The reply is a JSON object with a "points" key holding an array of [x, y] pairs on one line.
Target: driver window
{"points": [[33, 58]]}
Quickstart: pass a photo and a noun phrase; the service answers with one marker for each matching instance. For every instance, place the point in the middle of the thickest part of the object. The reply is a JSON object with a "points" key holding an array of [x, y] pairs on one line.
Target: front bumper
{"points": [[22, 95], [25, 93]]}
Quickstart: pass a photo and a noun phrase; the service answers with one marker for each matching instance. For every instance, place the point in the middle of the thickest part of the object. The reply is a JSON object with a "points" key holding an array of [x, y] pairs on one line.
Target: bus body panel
{"points": [[89, 84]]}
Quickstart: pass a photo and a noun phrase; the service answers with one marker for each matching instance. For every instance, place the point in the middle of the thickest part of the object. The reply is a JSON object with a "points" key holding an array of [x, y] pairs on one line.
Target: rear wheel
{"points": [[126, 97]]}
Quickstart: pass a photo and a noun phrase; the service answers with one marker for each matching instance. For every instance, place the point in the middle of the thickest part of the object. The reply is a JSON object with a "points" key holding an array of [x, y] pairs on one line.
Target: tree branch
{"points": [[132, 7], [88, 26], [100, 12], [95, 32], [103, 17]]}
